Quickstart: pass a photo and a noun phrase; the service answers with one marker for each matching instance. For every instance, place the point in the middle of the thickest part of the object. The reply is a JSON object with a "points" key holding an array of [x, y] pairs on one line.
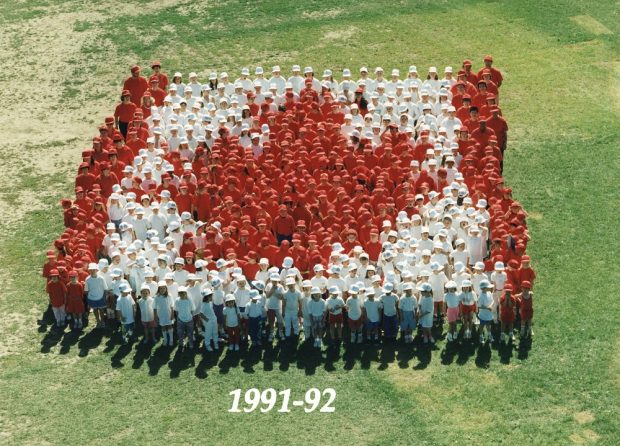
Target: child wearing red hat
{"points": [[75, 299], [57, 292], [507, 304], [526, 309]]}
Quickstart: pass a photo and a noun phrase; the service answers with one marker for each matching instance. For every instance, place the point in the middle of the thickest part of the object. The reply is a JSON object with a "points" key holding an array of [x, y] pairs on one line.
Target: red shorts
{"points": [[149, 324], [527, 314], [354, 324], [507, 317], [335, 318], [466, 309]]}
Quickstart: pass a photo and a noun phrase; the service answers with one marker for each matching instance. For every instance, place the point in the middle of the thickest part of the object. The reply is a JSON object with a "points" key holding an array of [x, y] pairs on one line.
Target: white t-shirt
{"points": [[231, 317], [407, 303], [163, 305], [125, 304], [334, 305], [184, 309], [485, 300], [317, 307], [291, 301], [389, 304], [372, 308], [354, 307], [146, 309], [451, 300]]}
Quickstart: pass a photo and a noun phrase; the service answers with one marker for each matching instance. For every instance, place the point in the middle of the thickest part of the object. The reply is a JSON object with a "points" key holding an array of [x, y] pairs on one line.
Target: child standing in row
{"points": [[407, 306], [57, 292], [451, 308], [372, 315], [75, 299], [126, 311], [209, 320], [318, 310], [147, 316], [232, 318], [163, 312], [527, 309], [427, 306]]}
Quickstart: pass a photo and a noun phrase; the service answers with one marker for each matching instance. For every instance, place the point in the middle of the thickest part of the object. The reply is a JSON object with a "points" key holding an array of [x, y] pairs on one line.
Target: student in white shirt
{"points": [[147, 316], [426, 311], [306, 298], [389, 301], [232, 318], [292, 307], [372, 315], [468, 300], [254, 311], [486, 310], [451, 308], [273, 292], [335, 304], [318, 310], [184, 308], [125, 311], [354, 314], [163, 312], [407, 305]]}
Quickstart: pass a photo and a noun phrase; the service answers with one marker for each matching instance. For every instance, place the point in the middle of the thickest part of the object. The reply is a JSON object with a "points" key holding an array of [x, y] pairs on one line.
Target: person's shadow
{"points": [[143, 351], [159, 357], [483, 356], [47, 320], [229, 361], [209, 360], [332, 355], [51, 338], [90, 340], [70, 339], [525, 345], [182, 360], [309, 358]]}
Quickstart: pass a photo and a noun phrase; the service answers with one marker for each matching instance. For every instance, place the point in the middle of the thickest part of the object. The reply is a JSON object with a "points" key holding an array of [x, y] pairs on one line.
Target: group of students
{"points": [[262, 207]]}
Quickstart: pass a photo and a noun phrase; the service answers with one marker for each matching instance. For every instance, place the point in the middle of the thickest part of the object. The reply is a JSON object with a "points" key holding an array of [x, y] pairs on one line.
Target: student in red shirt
{"points": [[136, 85], [123, 114], [163, 78], [57, 292], [496, 75], [75, 299], [283, 225]]}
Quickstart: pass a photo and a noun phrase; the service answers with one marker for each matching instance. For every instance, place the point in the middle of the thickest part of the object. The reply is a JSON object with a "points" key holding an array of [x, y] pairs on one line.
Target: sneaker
{"points": [[352, 339], [449, 337], [236, 347], [432, 340], [491, 338], [482, 339], [511, 337], [468, 334], [502, 337], [359, 339], [270, 338], [208, 348]]}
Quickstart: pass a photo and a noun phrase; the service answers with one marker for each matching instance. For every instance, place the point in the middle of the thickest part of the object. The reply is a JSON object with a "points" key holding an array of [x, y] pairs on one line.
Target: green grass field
{"points": [[63, 64]]}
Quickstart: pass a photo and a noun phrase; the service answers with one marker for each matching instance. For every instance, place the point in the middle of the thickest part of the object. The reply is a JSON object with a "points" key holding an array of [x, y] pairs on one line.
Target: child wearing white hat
{"points": [[232, 318], [486, 307], [372, 315], [498, 280], [438, 280], [274, 292], [125, 310], [291, 299], [335, 304], [427, 307], [407, 305], [318, 311], [147, 315], [254, 312], [209, 320], [468, 300], [184, 308], [163, 312], [354, 314], [451, 308]]}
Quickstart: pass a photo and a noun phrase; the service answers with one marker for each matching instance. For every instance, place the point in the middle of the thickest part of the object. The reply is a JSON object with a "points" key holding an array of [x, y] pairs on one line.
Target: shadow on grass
{"points": [[300, 354]]}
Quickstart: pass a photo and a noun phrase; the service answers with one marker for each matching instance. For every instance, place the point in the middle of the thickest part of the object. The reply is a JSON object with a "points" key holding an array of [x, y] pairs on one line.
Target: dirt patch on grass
{"points": [[591, 25], [324, 14], [340, 34], [405, 379], [585, 436], [584, 417]]}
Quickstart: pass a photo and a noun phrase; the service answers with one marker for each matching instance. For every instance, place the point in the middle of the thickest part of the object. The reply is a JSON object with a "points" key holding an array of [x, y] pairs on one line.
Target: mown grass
{"points": [[563, 111]]}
